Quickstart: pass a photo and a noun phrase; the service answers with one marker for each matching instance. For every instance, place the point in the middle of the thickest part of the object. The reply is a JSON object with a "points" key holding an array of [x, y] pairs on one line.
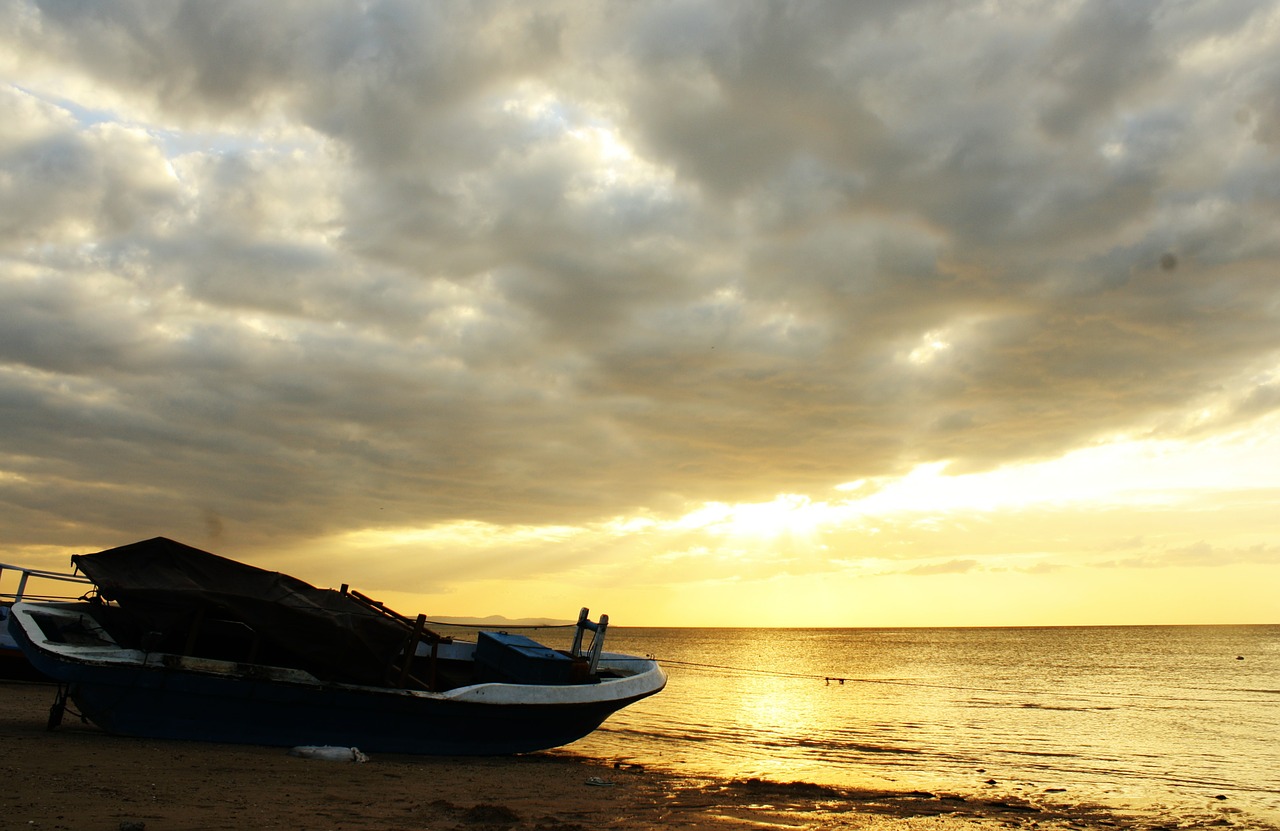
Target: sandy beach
{"points": [[77, 777]]}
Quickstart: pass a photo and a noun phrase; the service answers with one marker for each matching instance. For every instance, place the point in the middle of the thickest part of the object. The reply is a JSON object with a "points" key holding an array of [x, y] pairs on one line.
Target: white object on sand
{"points": [[329, 753]]}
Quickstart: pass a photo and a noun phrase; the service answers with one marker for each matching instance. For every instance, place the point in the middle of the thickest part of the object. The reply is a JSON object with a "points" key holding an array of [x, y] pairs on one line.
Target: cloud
{"points": [[949, 567], [1104, 54], [66, 184], [287, 272], [1202, 554]]}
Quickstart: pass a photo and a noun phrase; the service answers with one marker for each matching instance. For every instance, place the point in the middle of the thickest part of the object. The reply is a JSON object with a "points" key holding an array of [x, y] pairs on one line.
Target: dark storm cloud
{"points": [[294, 269]]}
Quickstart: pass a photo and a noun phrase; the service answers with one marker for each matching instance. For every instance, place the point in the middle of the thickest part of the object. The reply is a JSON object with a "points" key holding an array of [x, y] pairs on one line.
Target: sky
{"points": [[694, 313]]}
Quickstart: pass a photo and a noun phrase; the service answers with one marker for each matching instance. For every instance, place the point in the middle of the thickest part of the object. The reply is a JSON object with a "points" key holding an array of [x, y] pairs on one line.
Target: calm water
{"points": [[1153, 718]]}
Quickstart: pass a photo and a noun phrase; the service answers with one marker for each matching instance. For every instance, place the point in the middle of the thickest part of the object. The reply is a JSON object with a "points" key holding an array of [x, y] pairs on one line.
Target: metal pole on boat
{"points": [[409, 651], [597, 642], [584, 623]]}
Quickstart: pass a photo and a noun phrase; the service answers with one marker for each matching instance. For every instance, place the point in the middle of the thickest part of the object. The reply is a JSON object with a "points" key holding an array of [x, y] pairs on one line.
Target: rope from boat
{"points": [[841, 680]]}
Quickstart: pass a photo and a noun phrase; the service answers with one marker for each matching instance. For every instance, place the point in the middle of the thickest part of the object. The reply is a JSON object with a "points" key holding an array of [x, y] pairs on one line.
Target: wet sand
{"points": [[79, 778]]}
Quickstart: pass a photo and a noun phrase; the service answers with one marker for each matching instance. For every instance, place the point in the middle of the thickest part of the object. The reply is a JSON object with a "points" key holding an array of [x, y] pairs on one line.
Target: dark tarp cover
{"points": [[168, 587]]}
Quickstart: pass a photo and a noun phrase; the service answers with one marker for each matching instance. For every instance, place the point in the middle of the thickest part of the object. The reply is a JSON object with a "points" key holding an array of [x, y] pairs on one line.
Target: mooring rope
{"points": [[841, 680]]}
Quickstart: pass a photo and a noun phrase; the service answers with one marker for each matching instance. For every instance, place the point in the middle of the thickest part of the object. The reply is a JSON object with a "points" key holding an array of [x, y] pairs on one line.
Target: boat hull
{"points": [[177, 706], [169, 697]]}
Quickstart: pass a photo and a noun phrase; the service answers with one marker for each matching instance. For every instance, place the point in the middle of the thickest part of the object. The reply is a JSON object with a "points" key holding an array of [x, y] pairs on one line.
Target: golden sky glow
{"points": [[693, 313], [1128, 532]]}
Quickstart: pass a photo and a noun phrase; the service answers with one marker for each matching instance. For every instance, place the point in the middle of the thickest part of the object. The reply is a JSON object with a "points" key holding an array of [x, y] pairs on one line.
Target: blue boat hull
{"points": [[202, 709]]}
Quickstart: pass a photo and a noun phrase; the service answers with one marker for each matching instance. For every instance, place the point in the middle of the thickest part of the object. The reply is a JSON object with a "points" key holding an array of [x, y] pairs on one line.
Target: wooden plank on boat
{"points": [[418, 626]]}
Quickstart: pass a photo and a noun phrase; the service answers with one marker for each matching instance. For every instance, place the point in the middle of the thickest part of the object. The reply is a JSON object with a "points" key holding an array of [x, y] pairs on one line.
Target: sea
{"points": [[1175, 722]]}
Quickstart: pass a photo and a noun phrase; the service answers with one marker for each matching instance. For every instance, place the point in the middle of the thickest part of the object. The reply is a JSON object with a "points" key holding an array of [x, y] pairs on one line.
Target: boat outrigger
{"points": [[178, 643]]}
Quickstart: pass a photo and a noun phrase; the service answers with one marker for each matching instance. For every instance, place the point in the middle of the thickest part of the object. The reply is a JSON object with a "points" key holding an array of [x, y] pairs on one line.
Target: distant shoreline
{"points": [[497, 622]]}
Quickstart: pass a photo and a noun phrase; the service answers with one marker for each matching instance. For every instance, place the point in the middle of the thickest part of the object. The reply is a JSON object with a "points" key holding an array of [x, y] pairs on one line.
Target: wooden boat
{"points": [[179, 643]]}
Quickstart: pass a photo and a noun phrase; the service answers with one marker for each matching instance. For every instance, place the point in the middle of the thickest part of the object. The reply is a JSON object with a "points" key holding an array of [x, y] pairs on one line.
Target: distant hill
{"points": [[498, 621]]}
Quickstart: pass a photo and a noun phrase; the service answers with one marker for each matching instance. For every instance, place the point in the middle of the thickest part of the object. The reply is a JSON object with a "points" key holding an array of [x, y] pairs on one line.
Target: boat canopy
{"points": [[172, 591]]}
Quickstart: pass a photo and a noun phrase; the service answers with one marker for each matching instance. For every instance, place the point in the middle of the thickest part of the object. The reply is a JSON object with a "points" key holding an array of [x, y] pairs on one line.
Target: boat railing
{"points": [[24, 589]]}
